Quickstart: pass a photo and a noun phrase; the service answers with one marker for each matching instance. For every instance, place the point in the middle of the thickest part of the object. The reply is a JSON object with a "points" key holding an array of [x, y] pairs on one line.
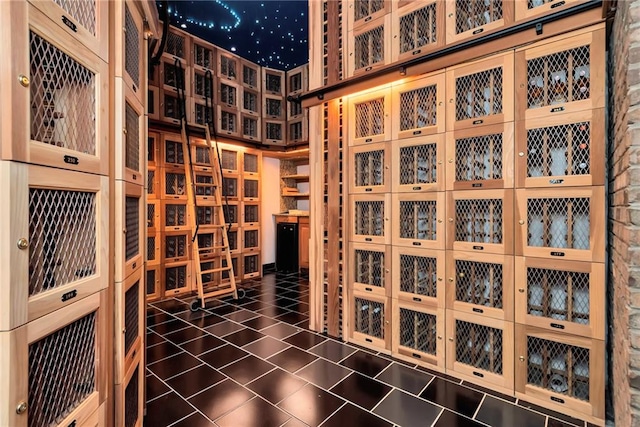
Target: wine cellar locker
{"points": [[62, 299], [474, 197]]}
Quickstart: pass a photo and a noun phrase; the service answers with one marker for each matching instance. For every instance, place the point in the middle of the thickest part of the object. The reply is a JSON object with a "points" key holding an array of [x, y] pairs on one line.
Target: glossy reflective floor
{"points": [[253, 363]]}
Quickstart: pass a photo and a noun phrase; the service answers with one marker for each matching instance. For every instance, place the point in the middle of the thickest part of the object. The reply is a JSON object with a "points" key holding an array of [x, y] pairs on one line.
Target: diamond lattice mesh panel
{"points": [[202, 156], [175, 246], [559, 223], [173, 152], [175, 184], [369, 48], [84, 12], [250, 162], [175, 277], [295, 82], [250, 188], [230, 214], [205, 240], [232, 237], [151, 248], [234, 267], [295, 131], [369, 118], [479, 94], [249, 76], [131, 407], [369, 267], [559, 77], [228, 121], [273, 107], [173, 75], [418, 275], [471, 14], [418, 28], [62, 238], [418, 164], [479, 346], [251, 239], [62, 368], [250, 101], [364, 8], [131, 47], [531, 4], [228, 94], [479, 221], [558, 367], [132, 124], [369, 317], [369, 168], [132, 223], [201, 85], [250, 126], [151, 149], [369, 218], [151, 176], [251, 264], [175, 215], [202, 114], [205, 215], [559, 150], [557, 294], [273, 83], [418, 220], [175, 45], [172, 107], [274, 131], [295, 108], [202, 55], [479, 283], [479, 158], [204, 179], [63, 104], [131, 316], [228, 67], [251, 213], [418, 108], [151, 282], [207, 278], [229, 159], [418, 331]]}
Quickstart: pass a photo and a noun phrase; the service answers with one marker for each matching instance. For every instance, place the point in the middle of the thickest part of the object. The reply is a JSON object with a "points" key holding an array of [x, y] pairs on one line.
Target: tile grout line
{"points": [[437, 418], [381, 400], [475, 414], [333, 413]]}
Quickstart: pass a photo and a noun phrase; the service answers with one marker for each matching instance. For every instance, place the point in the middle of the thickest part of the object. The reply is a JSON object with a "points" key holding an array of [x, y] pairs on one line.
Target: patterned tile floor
{"points": [[253, 363]]}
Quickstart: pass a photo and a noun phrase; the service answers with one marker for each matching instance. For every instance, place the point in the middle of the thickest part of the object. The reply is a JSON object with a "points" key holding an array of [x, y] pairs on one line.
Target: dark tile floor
{"points": [[253, 363]]}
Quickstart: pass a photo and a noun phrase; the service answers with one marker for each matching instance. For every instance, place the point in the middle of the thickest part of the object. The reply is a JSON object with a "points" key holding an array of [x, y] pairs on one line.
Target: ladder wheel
{"points": [[195, 304], [241, 293]]}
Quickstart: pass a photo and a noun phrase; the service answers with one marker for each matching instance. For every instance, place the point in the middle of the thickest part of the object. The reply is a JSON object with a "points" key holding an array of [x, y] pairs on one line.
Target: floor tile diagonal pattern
{"points": [[253, 363]]}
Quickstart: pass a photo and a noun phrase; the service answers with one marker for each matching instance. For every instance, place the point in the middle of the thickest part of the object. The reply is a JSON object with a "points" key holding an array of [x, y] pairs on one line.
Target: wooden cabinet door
{"points": [[418, 28], [304, 234], [370, 269], [370, 168], [418, 164], [370, 218], [419, 335], [418, 107], [370, 322], [473, 18], [419, 276], [370, 115], [419, 220]]}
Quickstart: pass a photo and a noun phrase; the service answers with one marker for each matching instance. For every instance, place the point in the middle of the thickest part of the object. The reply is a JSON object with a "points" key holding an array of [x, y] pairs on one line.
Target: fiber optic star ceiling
{"points": [[272, 33]]}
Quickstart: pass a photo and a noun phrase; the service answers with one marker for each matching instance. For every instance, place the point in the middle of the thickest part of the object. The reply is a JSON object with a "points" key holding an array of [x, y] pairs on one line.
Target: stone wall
{"points": [[624, 200]]}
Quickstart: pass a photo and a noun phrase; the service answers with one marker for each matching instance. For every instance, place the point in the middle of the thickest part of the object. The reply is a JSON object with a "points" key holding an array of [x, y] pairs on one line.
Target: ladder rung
{"points": [[204, 184], [211, 248], [215, 270]]}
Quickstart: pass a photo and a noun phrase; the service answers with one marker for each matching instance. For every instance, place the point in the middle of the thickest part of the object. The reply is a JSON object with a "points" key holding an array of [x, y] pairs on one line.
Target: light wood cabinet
{"points": [[371, 269], [177, 278], [419, 220], [304, 234], [418, 276], [473, 18], [371, 172], [418, 164], [370, 321], [130, 214], [129, 323], [418, 28], [370, 114], [419, 334], [419, 107], [370, 218]]}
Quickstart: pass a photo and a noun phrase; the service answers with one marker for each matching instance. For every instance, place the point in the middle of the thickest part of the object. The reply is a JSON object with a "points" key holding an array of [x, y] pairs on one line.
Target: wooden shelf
{"points": [[296, 195], [300, 178]]}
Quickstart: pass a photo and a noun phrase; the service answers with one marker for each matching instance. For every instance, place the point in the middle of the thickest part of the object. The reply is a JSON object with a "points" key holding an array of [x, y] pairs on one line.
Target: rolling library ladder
{"points": [[211, 256]]}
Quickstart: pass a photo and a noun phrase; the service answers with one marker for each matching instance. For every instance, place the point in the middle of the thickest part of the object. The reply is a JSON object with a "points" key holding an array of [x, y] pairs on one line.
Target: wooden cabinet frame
{"points": [[353, 22], [14, 369], [581, 139], [250, 197], [153, 280], [411, 354], [251, 127], [505, 245], [365, 165], [178, 37], [407, 101], [416, 298], [174, 236], [271, 126], [412, 153], [502, 383], [453, 36], [245, 247], [473, 141], [123, 30], [475, 262], [381, 24], [246, 221], [384, 218], [124, 359], [594, 327], [124, 132], [464, 73], [373, 251], [596, 246], [431, 222], [176, 209], [153, 103], [436, 33], [376, 125], [17, 306], [168, 271], [524, 13], [135, 372], [380, 344], [173, 184], [267, 88], [258, 75], [125, 267], [170, 107], [251, 274], [154, 249], [203, 52], [592, 37], [592, 410]]}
